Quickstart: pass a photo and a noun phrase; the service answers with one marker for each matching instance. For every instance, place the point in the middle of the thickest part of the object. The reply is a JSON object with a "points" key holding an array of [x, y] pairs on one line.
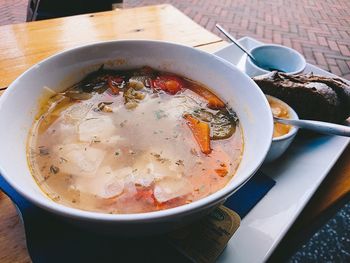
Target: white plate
{"points": [[298, 174]]}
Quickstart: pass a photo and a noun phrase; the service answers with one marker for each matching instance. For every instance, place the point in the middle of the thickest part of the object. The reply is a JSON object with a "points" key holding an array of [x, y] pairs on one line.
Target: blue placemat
{"points": [[50, 239]]}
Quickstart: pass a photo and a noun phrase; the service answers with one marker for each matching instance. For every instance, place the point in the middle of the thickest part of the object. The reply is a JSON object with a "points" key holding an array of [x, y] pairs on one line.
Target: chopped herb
{"points": [[43, 150], [56, 198], [63, 160], [122, 124], [194, 152], [180, 162], [54, 169], [160, 114], [103, 106]]}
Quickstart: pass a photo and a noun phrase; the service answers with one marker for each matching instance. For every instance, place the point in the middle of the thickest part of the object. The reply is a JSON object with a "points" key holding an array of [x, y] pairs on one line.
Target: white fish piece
{"points": [[170, 188], [96, 129], [79, 159], [63, 132], [151, 167], [145, 175], [107, 183], [115, 139], [124, 174]]}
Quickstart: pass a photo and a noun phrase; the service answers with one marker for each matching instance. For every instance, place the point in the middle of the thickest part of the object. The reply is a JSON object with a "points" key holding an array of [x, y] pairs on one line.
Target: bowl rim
{"points": [[293, 115], [214, 198], [300, 56]]}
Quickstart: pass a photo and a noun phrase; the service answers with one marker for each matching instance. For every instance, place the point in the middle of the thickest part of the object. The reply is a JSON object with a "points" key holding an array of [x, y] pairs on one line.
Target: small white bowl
{"points": [[275, 56], [280, 144]]}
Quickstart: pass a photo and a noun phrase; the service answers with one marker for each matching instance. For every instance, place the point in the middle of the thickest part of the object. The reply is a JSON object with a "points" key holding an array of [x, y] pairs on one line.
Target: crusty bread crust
{"points": [[312, 97]]}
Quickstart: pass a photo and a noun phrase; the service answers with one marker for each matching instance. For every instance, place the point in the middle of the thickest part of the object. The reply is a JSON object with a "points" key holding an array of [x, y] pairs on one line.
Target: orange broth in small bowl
{"points": [[281, 111]]}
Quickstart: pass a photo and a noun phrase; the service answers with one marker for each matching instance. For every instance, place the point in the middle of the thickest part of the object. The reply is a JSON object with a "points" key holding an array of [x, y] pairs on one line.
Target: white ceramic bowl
{"points": [[19, 104], [280, 144], [277, 57]]}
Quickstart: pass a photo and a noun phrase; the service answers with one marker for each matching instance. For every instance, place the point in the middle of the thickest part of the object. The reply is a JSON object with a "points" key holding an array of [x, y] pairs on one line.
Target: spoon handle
{"points": [[318, 126], [227, 34]]}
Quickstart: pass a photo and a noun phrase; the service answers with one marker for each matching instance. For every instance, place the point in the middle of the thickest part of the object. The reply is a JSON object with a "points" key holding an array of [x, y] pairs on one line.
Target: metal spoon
{"points": [[318, 126], [246, 51]]}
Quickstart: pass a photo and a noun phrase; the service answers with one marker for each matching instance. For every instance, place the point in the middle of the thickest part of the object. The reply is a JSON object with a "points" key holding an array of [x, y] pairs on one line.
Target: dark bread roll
{"points": [[312, 97]]}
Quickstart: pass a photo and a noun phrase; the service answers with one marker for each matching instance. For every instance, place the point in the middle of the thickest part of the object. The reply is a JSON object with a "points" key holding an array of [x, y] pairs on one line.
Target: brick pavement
{"points": [[320, 30]]}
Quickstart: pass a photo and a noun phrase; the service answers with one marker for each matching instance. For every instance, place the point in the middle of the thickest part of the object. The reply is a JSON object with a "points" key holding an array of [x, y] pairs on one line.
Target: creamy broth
{"points": [[134, 144]]}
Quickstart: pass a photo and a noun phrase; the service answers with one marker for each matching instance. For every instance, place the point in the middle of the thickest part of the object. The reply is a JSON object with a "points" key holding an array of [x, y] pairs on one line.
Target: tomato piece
{"points": [[144, 193], [168, 83], [113, 83]]}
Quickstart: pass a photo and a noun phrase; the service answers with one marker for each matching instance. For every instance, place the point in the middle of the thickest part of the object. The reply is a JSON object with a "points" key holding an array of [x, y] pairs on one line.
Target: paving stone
{"points": [[309, 26]]}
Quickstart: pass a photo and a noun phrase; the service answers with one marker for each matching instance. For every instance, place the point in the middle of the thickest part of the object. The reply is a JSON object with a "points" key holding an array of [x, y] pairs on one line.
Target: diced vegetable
{"points": [[113, 84], [168, 83], [222, 172], [223, 125], [222, 122], [200, 131], [213, 101], [132, 97]]}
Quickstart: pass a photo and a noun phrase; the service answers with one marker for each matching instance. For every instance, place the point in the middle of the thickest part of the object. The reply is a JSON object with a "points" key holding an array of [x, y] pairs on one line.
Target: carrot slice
{"points": [[200, 131], [222, 172], [213, 101]]}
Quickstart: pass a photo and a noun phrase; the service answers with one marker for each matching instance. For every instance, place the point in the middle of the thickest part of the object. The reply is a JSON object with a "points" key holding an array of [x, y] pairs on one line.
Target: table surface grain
{"points": [[23, 45]]}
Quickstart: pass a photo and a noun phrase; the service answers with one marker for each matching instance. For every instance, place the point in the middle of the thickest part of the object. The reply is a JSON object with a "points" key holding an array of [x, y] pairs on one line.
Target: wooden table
{"points": [[23, 45]]}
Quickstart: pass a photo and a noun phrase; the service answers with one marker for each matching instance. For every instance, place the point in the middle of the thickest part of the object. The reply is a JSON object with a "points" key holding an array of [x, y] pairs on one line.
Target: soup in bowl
{"points": [[144, 149]]}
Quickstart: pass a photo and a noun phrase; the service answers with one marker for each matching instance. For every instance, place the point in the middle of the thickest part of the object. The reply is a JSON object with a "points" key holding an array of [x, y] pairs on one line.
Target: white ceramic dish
{"points": [[19, 104], [297, 174], [277, 57], [280, 144]]}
